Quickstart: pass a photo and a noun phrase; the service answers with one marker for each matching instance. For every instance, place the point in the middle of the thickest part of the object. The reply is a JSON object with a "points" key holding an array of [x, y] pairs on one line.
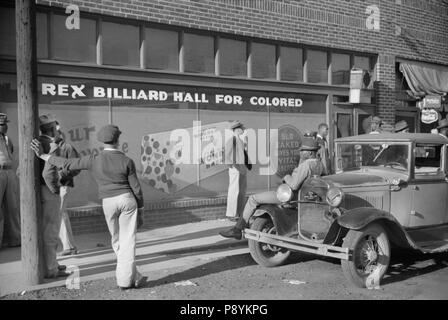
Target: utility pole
{"points": [[30, 206]]}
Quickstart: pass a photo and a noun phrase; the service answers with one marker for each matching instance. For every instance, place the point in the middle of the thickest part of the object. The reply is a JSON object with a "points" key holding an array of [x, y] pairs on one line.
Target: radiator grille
{"points": [[314, 221]]}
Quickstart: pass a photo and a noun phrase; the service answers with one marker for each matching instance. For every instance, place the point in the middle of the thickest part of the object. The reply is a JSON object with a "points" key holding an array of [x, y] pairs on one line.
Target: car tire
{"points": [[261, 252], [370, 248]]}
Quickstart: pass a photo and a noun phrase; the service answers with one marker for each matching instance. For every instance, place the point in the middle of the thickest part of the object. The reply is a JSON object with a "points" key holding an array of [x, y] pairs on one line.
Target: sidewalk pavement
{"points": [[157, 249]]}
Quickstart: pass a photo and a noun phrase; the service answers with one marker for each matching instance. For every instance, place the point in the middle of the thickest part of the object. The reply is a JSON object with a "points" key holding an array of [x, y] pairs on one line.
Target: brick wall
{"points": [[413, 29]]}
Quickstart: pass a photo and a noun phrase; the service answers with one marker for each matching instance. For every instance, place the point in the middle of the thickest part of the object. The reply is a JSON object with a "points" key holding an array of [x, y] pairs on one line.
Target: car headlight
{"points": [[284, 193], [334, 197]]}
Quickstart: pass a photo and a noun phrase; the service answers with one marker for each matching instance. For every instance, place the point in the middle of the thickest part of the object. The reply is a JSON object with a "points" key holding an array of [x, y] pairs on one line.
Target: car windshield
{"points": [[355, 156]]}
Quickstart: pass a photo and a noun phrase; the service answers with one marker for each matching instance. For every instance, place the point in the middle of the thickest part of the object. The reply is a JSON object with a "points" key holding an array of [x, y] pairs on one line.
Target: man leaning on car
{"points": [[309, 166]]}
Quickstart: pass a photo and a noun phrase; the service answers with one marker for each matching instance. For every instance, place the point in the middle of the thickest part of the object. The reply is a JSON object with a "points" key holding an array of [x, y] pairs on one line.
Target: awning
{"points": [[425, 79]]}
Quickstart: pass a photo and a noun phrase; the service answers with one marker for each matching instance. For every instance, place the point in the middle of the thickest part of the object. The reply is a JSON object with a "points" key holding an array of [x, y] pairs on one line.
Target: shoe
{"points": [[232, 233], [62, 267], [69, 252], [58, 274], [137, 284]]}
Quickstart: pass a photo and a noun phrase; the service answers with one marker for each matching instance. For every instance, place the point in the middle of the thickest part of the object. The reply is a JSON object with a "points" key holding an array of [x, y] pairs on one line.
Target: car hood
{"points": [[372, 178]]}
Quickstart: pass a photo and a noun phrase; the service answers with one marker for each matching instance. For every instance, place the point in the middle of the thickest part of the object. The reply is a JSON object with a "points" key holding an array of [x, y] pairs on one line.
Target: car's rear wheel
{"points": [[264, 254], [370, 257]]}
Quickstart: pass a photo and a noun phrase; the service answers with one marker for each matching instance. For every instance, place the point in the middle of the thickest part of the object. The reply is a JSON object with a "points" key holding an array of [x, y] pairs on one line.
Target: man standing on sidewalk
{"points": [[51, 202], [237, 160], [323, 153], [66, 182], [9, 202], [121, 195]]}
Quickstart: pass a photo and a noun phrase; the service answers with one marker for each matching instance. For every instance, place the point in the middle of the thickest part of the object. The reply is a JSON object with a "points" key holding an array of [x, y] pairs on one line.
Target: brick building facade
{"points": [[408, 30]]}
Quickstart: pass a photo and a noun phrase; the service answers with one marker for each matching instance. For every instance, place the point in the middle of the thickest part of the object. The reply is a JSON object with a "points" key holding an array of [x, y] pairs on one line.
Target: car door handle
{"points": [[416, 188]]}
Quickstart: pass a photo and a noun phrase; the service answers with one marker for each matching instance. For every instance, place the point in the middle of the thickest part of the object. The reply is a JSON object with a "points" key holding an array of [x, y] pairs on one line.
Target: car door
{"points": [[429, 188]]}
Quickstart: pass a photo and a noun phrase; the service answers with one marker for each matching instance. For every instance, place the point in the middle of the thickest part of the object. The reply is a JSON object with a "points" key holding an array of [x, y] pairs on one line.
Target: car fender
{"points": [[284, 219], [358, 218]]}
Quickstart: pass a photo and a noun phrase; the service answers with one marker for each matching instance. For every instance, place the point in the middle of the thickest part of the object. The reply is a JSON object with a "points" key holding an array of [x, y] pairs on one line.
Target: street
{"points": [[202, 265]]}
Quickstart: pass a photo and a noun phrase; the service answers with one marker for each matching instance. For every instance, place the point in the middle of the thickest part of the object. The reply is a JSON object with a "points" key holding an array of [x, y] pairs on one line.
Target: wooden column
{"points": [[30, 206]]}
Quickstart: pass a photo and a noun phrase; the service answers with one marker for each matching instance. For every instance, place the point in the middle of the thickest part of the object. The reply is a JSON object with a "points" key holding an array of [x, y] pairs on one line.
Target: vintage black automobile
{"points": [[389, 189]]}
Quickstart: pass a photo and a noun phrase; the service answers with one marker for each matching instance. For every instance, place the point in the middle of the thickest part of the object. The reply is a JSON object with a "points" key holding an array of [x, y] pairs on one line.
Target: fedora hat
{"points": [[400, 126], [3, 118], [443, 124], [236, 124], [46, 119], [309, 144]]}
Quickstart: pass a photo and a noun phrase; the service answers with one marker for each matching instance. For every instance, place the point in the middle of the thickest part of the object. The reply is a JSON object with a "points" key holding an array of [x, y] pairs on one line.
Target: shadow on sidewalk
{"points": [[217, 266]]}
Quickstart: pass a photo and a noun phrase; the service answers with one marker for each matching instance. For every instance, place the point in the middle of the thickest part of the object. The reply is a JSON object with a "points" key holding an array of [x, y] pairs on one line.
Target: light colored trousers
{"points": [[65, 233], [9, 207], [236, 193], [51, 204], [268, 197], [121, 218]]}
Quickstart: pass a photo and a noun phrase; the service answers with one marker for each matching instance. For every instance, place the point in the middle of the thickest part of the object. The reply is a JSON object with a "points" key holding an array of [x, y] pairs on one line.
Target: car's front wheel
{"points": [[264, 254], [370, 257]]}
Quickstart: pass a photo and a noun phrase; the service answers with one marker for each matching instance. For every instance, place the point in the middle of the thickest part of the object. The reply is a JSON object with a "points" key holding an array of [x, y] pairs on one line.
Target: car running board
{"points": [[298, 245], [430, 239]]}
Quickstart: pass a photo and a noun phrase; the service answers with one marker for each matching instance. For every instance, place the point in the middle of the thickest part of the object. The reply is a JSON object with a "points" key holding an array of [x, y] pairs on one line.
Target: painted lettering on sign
{"points": [[289, 141]]}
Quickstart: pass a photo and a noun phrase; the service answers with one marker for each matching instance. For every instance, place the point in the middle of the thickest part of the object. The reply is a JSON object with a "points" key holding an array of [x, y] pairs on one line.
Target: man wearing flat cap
{"points": [[238, 162], [121, 195], [401, 127], [309, 166], [9, 202]]}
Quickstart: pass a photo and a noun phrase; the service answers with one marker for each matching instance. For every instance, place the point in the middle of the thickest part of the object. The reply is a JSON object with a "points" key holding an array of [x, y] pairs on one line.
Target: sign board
{"points": [[430, 102], [429, 116]]}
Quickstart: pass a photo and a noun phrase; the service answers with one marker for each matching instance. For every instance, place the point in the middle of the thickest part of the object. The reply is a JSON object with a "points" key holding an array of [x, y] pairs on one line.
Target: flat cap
{"points": [[3, 118], [376, 119], [309, 144], [108, 134], [46, 119]]}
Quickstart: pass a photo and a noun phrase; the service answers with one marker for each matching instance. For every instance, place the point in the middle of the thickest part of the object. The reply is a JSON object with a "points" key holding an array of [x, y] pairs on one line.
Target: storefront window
{"points": [[232, 61], [340, 67], [263, 61], [75, 44], [291, 64], [362, 63], [199, 53], [120, 44], [8, 33], [162, 49], [317, 66]]}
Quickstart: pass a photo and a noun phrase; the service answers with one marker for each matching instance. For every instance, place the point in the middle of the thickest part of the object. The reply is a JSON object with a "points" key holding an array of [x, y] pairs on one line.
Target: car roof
{"points": [[397, 137]]}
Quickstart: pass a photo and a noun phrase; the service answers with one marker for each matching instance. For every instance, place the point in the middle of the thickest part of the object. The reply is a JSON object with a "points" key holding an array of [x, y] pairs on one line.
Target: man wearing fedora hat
{"points": [[9, 203], [237, 160], [50, 196], [443, 127], [401, 127], [121, 195], [309, 166]]}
